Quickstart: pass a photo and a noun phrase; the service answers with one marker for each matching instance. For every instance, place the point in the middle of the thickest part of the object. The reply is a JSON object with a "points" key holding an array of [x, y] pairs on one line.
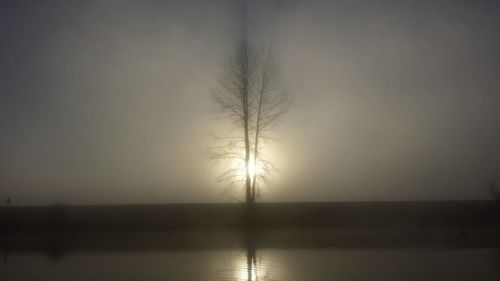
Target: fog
{"points": [[108, 101]]}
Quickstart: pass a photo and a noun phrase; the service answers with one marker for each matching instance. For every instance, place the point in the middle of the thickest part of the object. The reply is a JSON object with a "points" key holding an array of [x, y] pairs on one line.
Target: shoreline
{"points": [[419, 214]]}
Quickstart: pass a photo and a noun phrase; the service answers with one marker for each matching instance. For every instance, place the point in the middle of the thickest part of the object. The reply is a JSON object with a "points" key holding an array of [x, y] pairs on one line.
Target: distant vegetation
{"points": [[494, 190]]}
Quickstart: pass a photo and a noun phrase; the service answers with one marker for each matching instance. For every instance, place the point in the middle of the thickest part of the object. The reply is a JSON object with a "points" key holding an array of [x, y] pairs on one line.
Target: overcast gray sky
{"points": [[108, 101]]}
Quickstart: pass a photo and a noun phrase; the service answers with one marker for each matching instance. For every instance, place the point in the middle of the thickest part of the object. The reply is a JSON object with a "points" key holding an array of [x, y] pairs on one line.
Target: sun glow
{"points": [[253, 169]]}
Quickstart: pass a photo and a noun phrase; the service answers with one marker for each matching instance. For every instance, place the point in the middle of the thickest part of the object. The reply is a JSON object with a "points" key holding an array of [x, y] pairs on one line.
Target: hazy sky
{"points": [[108, 101]]}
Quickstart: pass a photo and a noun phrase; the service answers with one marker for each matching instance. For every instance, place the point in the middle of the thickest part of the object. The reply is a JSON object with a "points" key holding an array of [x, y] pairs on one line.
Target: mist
{"points": [[109, 102]]}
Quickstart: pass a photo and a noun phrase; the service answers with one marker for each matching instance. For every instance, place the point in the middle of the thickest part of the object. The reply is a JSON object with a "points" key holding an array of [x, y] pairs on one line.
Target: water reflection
{"points": [[141, 257], [253, 269], [56, 248]]}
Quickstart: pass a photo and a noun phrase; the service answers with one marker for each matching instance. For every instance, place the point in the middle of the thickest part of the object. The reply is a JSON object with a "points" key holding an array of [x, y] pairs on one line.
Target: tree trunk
{"points": [[246, 117], [257, 135]]}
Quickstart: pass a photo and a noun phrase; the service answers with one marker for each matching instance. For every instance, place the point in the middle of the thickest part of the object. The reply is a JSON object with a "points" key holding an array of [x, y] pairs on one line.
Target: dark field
{"points": [[263, 215]]}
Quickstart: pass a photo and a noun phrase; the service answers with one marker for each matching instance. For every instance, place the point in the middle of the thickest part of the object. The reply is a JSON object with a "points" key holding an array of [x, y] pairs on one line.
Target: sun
{"points": [[253, 169]]}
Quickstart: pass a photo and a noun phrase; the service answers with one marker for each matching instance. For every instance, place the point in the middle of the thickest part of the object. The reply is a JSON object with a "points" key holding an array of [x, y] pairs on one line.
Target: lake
{"points": [[232, 255]]}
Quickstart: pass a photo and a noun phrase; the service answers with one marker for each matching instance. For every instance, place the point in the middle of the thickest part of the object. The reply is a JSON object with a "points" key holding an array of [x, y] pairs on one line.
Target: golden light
{"points": [[248, 269], [253, 169]]}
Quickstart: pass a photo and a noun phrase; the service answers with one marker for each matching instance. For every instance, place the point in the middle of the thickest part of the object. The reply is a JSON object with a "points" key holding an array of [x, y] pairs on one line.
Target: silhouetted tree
{"points": [[250, 94], [272, 101]]}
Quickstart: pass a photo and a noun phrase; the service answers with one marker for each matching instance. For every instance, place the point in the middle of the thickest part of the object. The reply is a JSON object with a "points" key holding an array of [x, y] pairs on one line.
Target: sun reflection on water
{"points": [[249, 267]]}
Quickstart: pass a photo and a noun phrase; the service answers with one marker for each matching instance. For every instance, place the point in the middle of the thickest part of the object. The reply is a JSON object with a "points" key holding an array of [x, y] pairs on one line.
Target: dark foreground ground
{"points": [[264, 215], [285, 225]]}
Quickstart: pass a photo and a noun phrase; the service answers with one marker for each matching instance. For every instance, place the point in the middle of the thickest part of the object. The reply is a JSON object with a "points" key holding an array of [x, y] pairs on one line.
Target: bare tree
{"points": [[271, 102], [249, 94]]}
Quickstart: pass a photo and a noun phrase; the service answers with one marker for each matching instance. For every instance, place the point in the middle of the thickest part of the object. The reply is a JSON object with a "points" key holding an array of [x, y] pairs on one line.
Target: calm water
{"points": [[251, 263]]}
